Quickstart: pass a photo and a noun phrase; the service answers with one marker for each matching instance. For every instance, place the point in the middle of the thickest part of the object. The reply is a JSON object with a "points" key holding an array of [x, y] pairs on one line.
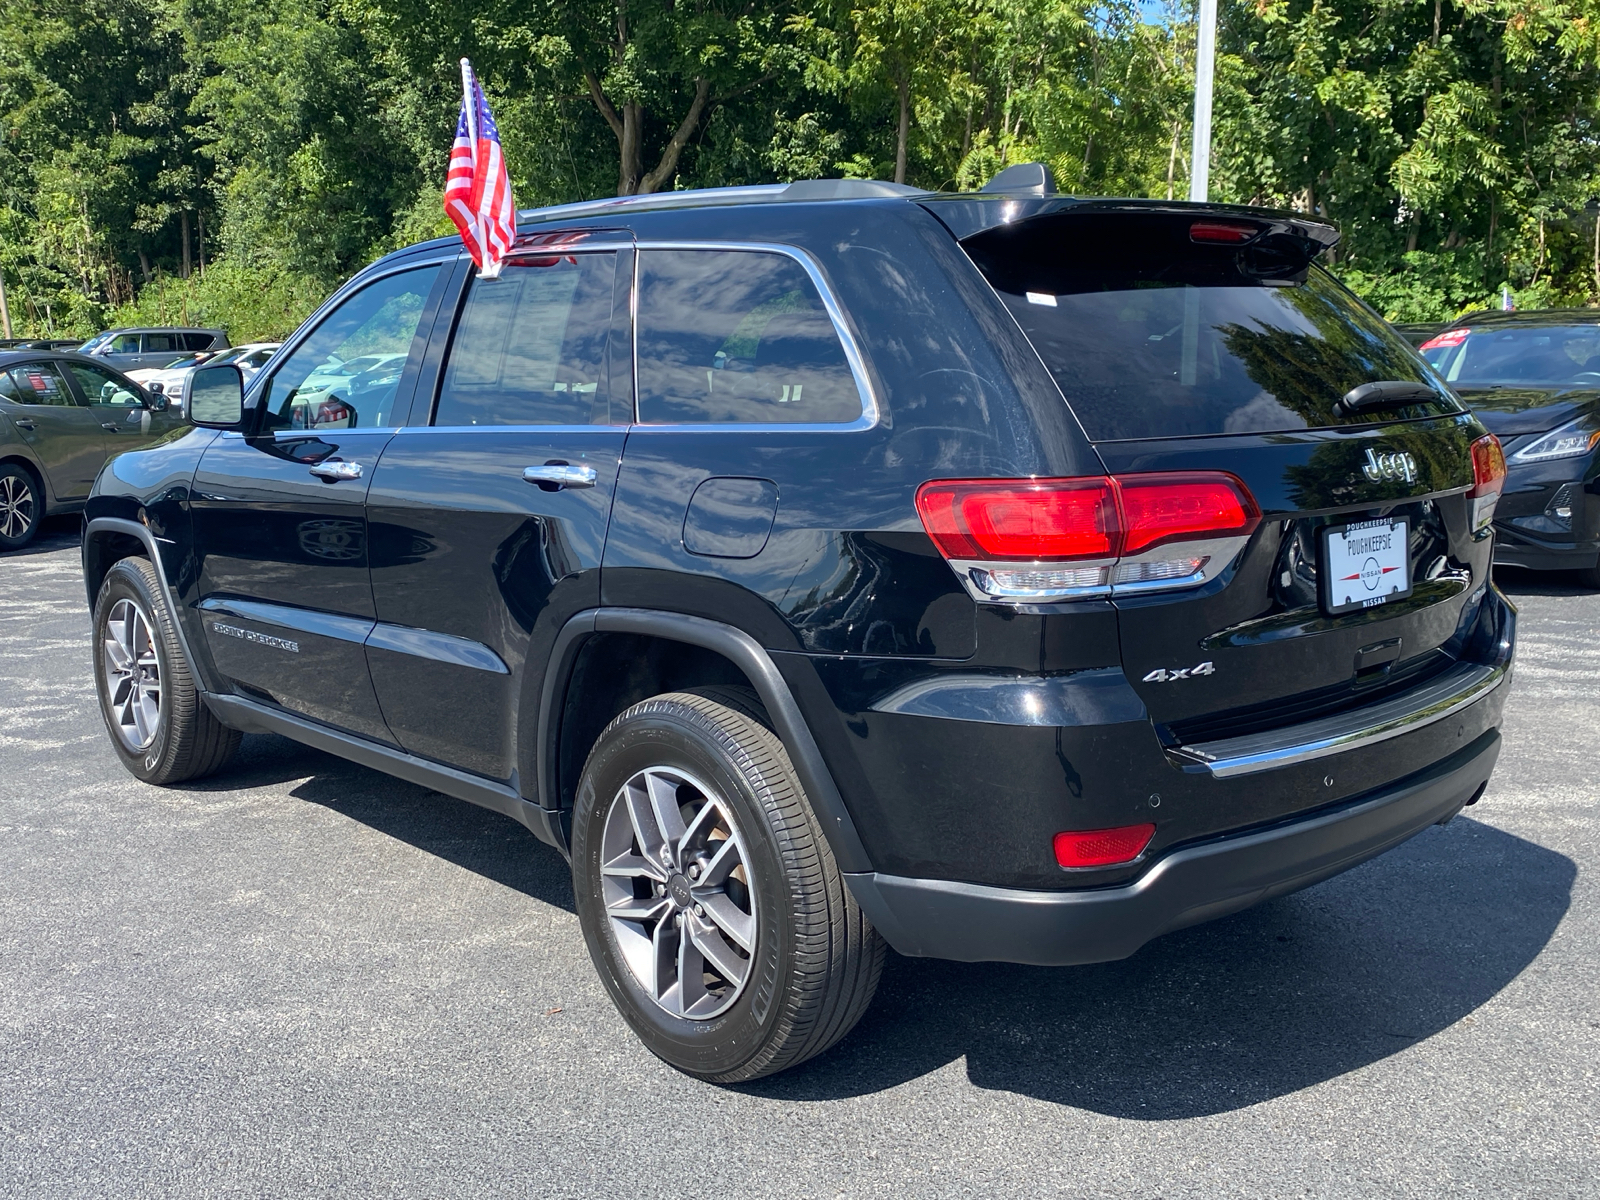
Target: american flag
{"points": [[477, 190]]}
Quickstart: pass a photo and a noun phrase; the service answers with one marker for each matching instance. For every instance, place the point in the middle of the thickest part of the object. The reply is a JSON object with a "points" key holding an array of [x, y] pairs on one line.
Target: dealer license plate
{"points": [[1365, 564]]}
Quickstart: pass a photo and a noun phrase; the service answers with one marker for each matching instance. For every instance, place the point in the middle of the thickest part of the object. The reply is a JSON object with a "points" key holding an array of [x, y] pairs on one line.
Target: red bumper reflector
{"points": [[1102, 847]]}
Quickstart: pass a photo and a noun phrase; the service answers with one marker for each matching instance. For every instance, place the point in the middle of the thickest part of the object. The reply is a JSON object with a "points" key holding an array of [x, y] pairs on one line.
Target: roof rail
{"points": [[803, 190]]}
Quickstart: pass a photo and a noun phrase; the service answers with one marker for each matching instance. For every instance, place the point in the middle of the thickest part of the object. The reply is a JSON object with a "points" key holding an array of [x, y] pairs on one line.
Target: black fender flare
{"points": [[745, 653], [152, 548]]}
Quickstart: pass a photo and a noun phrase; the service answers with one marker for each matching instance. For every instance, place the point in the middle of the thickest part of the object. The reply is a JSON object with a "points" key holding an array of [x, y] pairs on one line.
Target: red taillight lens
{"points": [[1226, 233], [1488, 466], [1157, 509], [1057, 520], [1102, 847], [1450, 337], [1021, 520]]}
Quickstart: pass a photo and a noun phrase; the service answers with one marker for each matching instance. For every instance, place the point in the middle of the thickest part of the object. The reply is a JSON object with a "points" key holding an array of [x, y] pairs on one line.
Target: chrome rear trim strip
{"points": [[1463, 684]]}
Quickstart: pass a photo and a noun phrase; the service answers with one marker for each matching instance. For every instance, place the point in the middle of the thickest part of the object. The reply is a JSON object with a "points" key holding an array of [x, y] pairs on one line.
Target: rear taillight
{"points": [[1488, 479], [1050, 539], [1102, 847]]}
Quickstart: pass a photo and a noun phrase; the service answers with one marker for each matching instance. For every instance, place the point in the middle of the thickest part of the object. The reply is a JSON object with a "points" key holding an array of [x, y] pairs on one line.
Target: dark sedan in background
{"points": [[61, 417], [1534, 379]]}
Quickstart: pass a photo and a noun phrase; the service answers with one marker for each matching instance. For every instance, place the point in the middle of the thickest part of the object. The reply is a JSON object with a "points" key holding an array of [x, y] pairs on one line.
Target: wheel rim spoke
{"points": [[714, 947], [675, 885], [732, 920], [132, 672]]}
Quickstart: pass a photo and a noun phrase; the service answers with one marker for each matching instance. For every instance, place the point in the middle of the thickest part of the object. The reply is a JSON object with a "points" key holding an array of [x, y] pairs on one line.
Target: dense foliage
{"points": [[230, 160]]}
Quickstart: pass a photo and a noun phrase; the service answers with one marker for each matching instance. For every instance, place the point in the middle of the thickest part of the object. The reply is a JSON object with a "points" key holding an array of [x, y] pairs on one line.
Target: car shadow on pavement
{"points": [[484, 842], [1221, 1016], [55, 533], [1515, 581]]}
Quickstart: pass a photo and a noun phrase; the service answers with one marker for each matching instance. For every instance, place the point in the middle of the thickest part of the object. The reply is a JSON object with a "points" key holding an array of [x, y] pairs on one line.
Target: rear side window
{"points": [[737, 337], [1150, 335], [197, 341], [530, 348], [38, 383], [161, 343]]}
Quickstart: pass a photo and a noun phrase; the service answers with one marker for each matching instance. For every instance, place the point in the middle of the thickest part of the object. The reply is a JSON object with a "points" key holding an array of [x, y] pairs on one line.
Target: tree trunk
{"points": [[1413, 232], [1172, 158], [5, 310], [668, 166], [200, 220], [184, 221], [903, 86], [144, 264], [1597, 254]]}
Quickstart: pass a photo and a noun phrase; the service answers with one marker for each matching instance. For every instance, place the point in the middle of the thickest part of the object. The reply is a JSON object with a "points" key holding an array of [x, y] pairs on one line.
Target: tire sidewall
{"points": [[125, 582], [22, 473], [678, 740]]}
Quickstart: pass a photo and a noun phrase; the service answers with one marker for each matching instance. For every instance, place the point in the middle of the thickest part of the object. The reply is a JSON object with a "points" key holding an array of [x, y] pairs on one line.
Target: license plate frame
{"points": [[1344, 590]]}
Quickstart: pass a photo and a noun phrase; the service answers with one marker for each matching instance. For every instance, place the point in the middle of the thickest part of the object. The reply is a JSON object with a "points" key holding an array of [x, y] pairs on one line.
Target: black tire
{"points": [[816, 959], [184, 740], [21, 506], [1589, 577]]}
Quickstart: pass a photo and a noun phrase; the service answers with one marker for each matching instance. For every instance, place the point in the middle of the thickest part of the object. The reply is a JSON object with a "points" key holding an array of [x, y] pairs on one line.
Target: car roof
{"points": [[161, 329], [14, 358], [1532, 317], [964, 213]]}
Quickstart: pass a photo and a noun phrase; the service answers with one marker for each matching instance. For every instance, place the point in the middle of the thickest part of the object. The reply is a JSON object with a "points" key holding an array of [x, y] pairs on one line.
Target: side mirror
{"points": [[155, 398], [214, 396]]}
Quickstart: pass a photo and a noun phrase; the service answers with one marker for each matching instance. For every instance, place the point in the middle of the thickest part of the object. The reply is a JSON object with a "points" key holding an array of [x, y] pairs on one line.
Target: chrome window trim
{"points": [[563, 430], [870, 409], [262, 379]]}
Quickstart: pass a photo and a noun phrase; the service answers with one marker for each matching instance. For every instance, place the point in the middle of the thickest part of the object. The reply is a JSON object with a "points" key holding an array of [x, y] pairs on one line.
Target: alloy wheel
{"points": [[18, 507], [678, 892], [132, 674]]}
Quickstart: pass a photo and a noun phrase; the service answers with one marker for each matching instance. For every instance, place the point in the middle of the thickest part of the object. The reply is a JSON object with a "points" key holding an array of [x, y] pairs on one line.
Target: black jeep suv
{"points": [[1002, 576]]}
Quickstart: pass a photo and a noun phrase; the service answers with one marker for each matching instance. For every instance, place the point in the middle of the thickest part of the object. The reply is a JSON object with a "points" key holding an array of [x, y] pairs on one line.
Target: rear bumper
{"points": [[976, 923]]}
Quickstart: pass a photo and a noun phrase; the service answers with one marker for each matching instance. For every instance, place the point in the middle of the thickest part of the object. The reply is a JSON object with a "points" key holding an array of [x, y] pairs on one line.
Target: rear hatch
{"points": [[1193, 342]]}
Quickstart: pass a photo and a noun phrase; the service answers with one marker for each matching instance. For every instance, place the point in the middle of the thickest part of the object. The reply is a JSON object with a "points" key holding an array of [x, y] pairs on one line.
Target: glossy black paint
{"points": [[1526, 533], [266, 529], [463, 546], [958, 736]]}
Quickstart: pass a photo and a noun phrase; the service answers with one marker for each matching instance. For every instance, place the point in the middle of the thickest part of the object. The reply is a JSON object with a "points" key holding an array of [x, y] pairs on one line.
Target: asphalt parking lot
{"points": [[304, 978]]}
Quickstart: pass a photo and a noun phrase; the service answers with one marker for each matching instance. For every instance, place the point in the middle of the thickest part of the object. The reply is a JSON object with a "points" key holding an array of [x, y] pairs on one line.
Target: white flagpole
{"points": [[1204, 66], [468, 106]]}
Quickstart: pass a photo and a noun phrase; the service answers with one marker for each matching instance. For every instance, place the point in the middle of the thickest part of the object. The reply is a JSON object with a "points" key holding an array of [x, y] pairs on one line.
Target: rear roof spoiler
{"points": [[969, 214]]}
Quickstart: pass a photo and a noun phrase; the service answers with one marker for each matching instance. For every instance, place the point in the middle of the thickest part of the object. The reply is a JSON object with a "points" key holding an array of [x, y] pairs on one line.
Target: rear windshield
{"points": [[1520, 354], [1150, 335]]}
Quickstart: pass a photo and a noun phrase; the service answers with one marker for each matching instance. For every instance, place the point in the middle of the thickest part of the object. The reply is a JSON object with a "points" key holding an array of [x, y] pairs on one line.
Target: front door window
{"points": [[347, 374]]}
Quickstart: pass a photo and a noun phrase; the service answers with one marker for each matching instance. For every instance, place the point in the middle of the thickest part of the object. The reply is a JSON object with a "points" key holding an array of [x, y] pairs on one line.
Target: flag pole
{"points": [[1204, 67], [467, 105]]}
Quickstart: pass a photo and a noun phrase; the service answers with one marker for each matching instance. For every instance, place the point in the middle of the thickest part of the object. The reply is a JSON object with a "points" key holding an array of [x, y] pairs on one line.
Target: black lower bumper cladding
{"points": [[966, 922]]}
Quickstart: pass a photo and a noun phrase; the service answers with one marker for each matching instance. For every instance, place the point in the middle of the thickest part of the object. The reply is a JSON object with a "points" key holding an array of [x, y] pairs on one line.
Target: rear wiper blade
{"points": [[1386, 393]]}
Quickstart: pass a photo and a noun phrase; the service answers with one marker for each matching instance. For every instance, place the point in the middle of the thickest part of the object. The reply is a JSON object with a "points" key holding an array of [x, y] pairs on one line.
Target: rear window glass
{"points": [[530, 348], [1150, 335], [197, 341], [737, 337], [1526, 354]]}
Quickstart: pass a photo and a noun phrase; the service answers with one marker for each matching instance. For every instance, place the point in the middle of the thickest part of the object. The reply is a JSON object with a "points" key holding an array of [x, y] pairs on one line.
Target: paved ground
{"points": [[303, 978]]}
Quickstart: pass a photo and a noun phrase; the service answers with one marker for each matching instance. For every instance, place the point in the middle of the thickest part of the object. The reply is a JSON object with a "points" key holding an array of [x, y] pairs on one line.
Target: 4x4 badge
{"points": [[1399, 465], [1162, 675]]}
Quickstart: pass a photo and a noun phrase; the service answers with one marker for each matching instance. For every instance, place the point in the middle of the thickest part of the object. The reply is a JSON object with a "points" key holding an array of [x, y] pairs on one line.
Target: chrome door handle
{"points": [[111, 426], [24, 424], [562, 475], [335, 471]]}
